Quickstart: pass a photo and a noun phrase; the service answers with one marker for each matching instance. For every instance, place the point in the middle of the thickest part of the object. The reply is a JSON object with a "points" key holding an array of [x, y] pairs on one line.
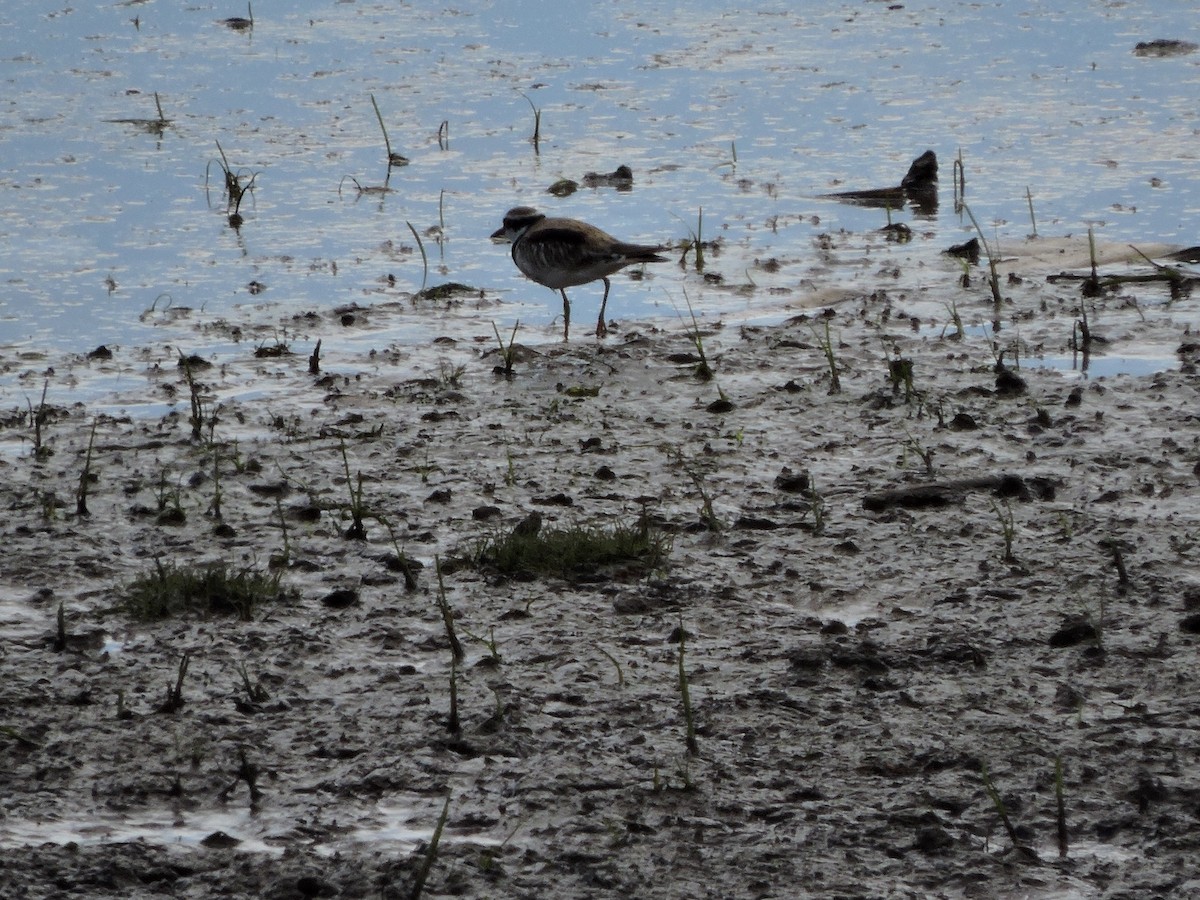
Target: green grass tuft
{"points": [[574, 550], [208, 590]]}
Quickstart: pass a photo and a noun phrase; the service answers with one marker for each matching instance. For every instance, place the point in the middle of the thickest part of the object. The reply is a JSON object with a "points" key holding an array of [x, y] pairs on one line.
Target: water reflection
{"points": [[105, 207]]}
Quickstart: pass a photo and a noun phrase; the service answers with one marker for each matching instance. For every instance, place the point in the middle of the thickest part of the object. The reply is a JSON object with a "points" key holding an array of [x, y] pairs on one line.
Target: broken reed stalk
{"points": [[174, 700], [1032, 220], [507, 353], [1061, 811], [81, 508], [1001, 809], [287, 550], [430, 853], [393, 158], [357, 530], [703, 371], [60, 632], [616, 665], [826, 345], [37, 418], [685, 693], [215, 508], [447, 616], [452, 724], [197, 417], [1118, 558], [960, 182], [1084, 342], [424, 258], [1008, 528], [537, 125], [991, 258]]}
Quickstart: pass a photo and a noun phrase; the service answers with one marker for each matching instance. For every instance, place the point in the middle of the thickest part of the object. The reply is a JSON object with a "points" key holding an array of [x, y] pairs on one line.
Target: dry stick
{"points": [[995, 278], [197, 417], [430, 853], [960, 182], [1119, 562], [85, 476], [537, 125], [612, 659], [1061, 816], [453, 725], [688, 716], [37, 417], [393, 159], [174, 701], [447, 616], [60, 637], [424, 258], [283, 530], [1001, 809]]}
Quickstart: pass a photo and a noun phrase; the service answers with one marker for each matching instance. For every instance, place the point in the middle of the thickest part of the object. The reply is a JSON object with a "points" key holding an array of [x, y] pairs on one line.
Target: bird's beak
{"points": [[499, 236]]}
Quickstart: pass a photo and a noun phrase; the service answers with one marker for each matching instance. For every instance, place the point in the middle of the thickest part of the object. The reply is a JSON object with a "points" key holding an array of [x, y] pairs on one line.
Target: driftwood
{"points": [[944, 493], [1179, 282], [919, 186]]}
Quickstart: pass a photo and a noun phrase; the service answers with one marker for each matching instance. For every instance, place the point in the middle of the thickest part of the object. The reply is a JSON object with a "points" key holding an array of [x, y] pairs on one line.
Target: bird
{"points": [[561, 253]]}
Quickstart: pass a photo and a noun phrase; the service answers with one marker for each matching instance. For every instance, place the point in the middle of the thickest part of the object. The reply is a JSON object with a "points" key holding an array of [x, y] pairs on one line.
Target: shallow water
{"points": [[117, 232]]}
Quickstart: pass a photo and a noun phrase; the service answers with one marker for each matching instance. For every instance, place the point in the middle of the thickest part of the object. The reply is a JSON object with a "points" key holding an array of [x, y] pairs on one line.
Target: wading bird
{"points": [[562, 253]]}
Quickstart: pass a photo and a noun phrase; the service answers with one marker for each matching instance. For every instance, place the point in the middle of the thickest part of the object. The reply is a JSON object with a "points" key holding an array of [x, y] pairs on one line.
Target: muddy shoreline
{"points": [[852, 671]]}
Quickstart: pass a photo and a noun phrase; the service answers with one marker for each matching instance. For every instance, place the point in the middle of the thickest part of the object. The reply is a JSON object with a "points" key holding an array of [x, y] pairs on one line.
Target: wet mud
{"points": [[989, 694]]}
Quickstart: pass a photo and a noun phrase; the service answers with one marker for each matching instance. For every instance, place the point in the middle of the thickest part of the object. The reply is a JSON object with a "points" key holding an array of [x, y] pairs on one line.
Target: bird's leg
{"points": [[601, 328], [566, 315]]}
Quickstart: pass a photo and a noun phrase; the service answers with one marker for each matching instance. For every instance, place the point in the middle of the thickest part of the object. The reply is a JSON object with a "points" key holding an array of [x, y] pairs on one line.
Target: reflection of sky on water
{"points": [[1044, 95]]}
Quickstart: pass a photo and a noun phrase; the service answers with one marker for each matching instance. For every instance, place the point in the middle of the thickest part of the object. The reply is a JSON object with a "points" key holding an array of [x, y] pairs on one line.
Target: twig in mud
{"points": [[357, 531], [536, 139], [215, 507], [960, 182], [1007, 528], [1002, 811], [37, 418], [281, 560], [1060, 808], [424, 258], [60, 634], [456, 649], [407, 569], [430, 853], [247, 772], [1118, 557], [197, 409], [994, 278], [826, 345], [393, 159], [956, 318], [452, 723], [616, 665], [685, 694], [508, 352], [900, 372], [85, 477], [174, 699]]}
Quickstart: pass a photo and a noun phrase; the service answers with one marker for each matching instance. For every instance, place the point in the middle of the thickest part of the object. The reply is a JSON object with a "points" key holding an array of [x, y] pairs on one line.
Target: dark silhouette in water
{"points": [[918, 187]]}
